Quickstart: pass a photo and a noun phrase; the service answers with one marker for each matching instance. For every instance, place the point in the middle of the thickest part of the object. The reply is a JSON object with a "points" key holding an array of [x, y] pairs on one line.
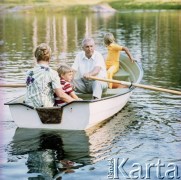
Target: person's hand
{"points": [[87, 75], [132, 60], [80, 99]]}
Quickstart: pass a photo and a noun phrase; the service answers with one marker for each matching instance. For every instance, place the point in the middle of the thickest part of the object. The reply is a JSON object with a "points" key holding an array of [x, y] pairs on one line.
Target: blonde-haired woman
{"points": [[112, 59], [42, 81]]}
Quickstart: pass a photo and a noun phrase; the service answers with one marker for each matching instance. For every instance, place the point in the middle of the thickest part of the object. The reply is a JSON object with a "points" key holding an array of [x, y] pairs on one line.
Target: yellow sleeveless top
{"points": [[113, 54]]}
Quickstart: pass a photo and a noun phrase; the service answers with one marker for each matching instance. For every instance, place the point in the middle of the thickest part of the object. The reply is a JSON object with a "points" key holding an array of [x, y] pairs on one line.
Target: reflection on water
{"points": [[148, 35], [146, 130], [50, 152]]}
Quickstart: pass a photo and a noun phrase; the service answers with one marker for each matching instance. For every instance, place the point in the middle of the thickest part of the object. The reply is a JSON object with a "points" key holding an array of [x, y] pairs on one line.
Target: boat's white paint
{"points": [[76, 116], [24, 116], [102, 110]]}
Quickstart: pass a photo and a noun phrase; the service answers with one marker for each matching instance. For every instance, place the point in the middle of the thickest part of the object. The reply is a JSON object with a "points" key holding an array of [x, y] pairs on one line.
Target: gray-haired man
{"points": [[89, 63]]}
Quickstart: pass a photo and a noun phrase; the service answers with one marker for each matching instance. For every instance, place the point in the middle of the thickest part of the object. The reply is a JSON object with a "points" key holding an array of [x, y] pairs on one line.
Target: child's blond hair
{"points": [[63, 69], [108, 39]]}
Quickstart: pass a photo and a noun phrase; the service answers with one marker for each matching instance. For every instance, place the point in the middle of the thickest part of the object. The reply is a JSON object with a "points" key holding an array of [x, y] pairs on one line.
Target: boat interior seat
{"points": [[84, 96], [111, 92], [108, 93], [121, 75], [18, 100]]}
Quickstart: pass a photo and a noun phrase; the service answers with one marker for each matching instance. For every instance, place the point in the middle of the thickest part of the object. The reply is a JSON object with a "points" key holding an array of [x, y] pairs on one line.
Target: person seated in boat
{"points": [[112, 59], [42, 81], [89, 62], [65, 73]]}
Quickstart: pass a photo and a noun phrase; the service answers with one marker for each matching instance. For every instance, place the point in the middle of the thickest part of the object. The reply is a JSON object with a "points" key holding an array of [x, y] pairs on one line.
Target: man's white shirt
{"points": [[84, 65]]}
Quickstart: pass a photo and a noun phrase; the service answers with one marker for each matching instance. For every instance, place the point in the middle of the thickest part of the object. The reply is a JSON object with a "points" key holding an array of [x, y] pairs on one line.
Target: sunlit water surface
{"points": [[147, 131]]}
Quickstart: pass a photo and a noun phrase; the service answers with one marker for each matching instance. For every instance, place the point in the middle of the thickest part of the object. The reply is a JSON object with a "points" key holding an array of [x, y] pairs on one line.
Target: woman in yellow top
{"points": [[112, 60]]}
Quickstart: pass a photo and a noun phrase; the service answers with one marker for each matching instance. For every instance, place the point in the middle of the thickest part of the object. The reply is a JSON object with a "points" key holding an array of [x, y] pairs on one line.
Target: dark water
{"points": [[147, 131]]}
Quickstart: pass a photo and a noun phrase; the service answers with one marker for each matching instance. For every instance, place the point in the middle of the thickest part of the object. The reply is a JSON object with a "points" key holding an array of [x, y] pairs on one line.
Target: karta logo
{"points": [[121, 168]]}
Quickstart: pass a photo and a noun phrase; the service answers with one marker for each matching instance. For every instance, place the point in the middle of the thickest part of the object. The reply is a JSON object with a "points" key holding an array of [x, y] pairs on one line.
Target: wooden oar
{"points": [[136, 85], [111, 81], [13, 85]]}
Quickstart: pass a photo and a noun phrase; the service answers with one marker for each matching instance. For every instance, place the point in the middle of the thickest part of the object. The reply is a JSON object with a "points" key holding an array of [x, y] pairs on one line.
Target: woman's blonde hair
{"points": [[43, 52], [63, 69], [108, 39]]}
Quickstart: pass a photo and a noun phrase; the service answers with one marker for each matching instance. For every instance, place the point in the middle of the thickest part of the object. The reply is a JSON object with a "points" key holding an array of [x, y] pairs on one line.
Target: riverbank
{"points": [[86, 5]]}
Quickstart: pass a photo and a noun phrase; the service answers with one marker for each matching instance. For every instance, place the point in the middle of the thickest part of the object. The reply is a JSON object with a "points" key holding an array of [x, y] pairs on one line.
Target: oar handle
{"points": [[13, 85], [136, 85], [156, 88]]}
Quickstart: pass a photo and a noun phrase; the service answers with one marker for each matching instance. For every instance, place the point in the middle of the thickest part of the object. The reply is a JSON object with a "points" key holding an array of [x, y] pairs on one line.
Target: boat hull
{"points": [[75, 116]]}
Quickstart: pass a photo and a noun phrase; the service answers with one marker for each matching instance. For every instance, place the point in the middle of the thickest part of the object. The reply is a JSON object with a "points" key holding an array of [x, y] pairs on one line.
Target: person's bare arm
{"points": [[128, 53], [74, 96], [94, 72], [64, 97]]}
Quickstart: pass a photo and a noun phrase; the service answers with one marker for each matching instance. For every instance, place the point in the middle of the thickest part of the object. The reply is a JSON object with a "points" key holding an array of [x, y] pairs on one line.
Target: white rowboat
{"points": [[79, 115]]}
